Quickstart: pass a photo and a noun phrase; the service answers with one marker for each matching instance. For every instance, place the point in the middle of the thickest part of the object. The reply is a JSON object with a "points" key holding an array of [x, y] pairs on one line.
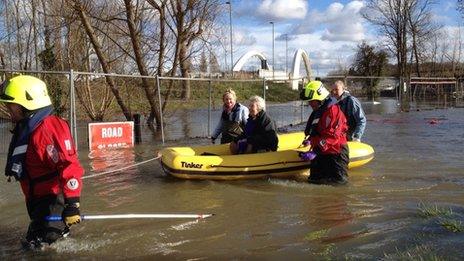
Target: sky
{"points": [[328, 31]]}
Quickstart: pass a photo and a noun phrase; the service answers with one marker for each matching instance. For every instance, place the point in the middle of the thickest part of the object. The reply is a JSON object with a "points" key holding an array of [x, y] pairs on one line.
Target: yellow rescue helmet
{"points": [[314, 90], [27, 91]]}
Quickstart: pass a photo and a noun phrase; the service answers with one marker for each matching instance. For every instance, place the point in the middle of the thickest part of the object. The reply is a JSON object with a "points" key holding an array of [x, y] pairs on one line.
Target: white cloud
{"points": [[283, 9], [338, 22], [243, 37]]}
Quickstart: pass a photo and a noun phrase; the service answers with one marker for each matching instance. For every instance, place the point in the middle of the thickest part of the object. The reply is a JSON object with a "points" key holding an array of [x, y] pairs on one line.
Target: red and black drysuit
{"points": [[327, 128], [43, 158]]}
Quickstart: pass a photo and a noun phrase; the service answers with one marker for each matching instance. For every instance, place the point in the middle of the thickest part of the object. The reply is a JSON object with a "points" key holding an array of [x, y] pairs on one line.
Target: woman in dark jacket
{"points": [[260, 133]]}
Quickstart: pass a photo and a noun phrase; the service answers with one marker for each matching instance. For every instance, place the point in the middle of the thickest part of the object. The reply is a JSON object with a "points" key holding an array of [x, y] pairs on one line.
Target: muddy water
{"points": [[419, 162]]}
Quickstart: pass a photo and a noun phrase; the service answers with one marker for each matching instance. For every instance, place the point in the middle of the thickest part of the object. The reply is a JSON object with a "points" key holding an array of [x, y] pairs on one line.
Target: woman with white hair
{"points": [[260, 134]]}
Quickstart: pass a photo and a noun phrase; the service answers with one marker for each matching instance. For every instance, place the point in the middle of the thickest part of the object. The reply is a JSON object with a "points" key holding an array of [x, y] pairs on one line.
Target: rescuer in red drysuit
{"points": [[42, 157]]}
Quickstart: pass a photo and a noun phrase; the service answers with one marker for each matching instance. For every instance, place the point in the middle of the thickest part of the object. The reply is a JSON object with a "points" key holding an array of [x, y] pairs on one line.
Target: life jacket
{"points": [[231, 127], [311, 124], [15, 165], [327, 128]]}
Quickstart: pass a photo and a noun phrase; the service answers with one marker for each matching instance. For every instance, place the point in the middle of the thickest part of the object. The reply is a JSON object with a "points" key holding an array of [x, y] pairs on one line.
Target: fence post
{"points": [[209, 108], [137, 128], [160, 107], [457, 93], [397, 95], [72, 112], [301, 111], [404, 95], [264, 89]]}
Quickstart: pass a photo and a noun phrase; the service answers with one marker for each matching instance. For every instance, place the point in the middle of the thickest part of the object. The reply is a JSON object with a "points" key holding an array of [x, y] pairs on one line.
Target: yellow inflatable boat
{"points": [[215, 162]]}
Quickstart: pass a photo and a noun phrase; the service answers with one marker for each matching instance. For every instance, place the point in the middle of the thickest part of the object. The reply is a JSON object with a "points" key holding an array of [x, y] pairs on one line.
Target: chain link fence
{"points": [[83, 97]]}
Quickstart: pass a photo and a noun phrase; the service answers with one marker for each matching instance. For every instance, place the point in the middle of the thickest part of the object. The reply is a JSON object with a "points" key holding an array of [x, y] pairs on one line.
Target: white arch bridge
{"points": [[268, 72]]}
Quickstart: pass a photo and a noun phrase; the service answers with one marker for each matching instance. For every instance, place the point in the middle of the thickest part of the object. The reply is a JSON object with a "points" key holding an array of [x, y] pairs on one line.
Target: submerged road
{"points": [[405, 202]]}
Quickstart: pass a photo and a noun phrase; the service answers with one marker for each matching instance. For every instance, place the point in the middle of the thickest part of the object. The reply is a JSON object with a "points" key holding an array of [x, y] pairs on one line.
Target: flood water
{"points": [[418, 164]]}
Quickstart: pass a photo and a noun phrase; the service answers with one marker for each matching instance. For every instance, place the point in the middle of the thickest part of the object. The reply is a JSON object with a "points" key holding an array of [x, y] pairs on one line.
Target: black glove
{"points": [[71, 214], [213, 140]]}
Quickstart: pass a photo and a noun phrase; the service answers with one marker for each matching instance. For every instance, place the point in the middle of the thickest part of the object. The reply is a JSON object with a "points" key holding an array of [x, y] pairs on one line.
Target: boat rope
{"points": [[121, 169], [254, 166]]}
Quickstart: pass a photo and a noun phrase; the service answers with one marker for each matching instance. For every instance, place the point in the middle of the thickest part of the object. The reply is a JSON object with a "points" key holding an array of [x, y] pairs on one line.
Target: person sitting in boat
{"points": [[260, 134], [233, 119], [326, 133]]}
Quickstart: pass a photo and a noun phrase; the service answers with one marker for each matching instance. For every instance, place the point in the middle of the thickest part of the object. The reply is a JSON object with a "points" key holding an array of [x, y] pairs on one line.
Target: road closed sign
{"points": [[104, 135]]}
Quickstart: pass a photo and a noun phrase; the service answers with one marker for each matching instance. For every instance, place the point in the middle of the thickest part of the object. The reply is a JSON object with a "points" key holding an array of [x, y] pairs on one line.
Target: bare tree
{"points": [[391, 17], [369, 62], [213, 63], [2, 60], [78, 52], [144, 36], [82, 13], [456, 51], [406, 24], [160, 6], [7, 23], [421, 27], [203, 67], [141, 63], [35, 32], [188, 20], [18, 29], [460, 6]]}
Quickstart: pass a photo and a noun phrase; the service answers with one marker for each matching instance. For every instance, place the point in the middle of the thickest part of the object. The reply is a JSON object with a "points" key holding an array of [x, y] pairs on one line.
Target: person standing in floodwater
{"points": [[42, 157], [233, 119], [352, 109], [326, 133]]}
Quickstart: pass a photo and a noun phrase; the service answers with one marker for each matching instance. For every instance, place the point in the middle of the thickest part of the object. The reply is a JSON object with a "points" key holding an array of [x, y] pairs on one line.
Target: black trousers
{"points": [[39, 229], [330, 169]]}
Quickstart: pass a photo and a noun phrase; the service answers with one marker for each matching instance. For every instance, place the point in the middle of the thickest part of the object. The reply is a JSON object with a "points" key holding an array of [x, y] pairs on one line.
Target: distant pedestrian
{"points": [[352, 109], [233, 119], [42, 157], [326, 133]]}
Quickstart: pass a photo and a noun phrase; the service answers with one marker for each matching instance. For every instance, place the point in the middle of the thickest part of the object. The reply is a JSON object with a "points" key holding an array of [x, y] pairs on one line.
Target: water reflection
{"points": [[330, 211], [111, 159], [107, 178], [382, 106]]}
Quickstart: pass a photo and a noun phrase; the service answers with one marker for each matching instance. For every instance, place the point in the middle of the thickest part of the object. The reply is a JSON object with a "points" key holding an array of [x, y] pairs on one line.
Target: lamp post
{"points": [[273, 60], [286, 54], [231, 41]]}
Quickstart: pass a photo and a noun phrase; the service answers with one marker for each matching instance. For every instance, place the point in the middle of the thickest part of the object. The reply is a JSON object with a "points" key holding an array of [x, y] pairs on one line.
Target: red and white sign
{"points": [[103, 135]]}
